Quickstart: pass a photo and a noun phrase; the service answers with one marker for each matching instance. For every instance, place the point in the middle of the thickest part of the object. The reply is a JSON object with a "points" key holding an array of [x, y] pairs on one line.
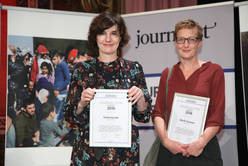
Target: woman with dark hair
{"points": [[101, 23], [44, 82], [46, 71], [45, 79], [106, 70]]}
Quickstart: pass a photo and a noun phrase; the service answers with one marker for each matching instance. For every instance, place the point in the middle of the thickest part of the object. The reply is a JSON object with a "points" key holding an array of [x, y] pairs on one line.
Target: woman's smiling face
{"points": [[108, 41]]}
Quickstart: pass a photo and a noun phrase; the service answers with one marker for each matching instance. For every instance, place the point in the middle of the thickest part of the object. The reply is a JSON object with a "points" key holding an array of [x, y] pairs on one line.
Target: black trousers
{"points": [[211, 156]]}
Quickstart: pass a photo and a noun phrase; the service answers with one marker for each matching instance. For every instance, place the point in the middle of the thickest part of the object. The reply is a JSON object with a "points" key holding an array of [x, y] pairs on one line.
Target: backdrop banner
{"points": [[30, 33]]}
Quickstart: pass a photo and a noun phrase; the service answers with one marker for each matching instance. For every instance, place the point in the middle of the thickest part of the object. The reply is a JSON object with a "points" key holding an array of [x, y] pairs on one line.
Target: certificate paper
{"points": [[110, 119], [187, 119]]}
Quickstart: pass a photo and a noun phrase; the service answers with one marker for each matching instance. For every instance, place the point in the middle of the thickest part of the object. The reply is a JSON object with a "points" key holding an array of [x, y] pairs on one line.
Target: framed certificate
{"points": [[110, 119], [187, 119]]}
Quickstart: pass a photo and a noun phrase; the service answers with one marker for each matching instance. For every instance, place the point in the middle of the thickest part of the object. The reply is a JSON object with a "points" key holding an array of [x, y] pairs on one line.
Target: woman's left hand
{"points": [[135, 94], [195, 148]]}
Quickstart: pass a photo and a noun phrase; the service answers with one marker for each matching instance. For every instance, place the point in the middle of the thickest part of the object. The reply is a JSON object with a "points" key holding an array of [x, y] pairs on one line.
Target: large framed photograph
{"points": [[110, 119], [187, 119]]}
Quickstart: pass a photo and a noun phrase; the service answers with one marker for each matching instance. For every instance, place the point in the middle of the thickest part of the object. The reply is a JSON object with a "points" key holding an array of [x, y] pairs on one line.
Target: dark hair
{"points": [[56, 53], [82, 53], [46, 109], [189, 24], [27, 102], [49, 67], [102, 22]]}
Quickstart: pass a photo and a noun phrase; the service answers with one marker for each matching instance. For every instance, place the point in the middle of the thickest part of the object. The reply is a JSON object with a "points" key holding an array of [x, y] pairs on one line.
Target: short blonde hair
{"points": [[189, 24]]}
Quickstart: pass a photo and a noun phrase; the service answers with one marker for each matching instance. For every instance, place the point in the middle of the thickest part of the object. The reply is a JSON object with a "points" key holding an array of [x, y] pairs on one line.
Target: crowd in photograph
{"points": [[37, 90]]}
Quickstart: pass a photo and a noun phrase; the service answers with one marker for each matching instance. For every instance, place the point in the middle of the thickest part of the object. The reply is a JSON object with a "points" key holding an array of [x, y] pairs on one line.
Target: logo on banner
{"points": [[164, 37]]}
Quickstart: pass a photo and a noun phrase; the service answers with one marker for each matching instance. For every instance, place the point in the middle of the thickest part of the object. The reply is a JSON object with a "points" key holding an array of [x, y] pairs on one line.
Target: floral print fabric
{"points": [[119, 74]]}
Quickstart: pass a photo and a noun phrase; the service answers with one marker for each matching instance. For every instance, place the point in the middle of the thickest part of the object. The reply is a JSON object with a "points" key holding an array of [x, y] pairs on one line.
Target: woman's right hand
{"points": [[86, 96], [175, 147]]}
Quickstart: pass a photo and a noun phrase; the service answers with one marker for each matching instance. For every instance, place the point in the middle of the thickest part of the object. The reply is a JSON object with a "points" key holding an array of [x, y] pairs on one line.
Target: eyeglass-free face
{"points": [[108, 41], [187, 44], [44, 70]]}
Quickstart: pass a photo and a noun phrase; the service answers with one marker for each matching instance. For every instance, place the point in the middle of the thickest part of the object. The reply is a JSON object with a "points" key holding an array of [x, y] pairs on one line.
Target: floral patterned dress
{"points": [[119, 74]]}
